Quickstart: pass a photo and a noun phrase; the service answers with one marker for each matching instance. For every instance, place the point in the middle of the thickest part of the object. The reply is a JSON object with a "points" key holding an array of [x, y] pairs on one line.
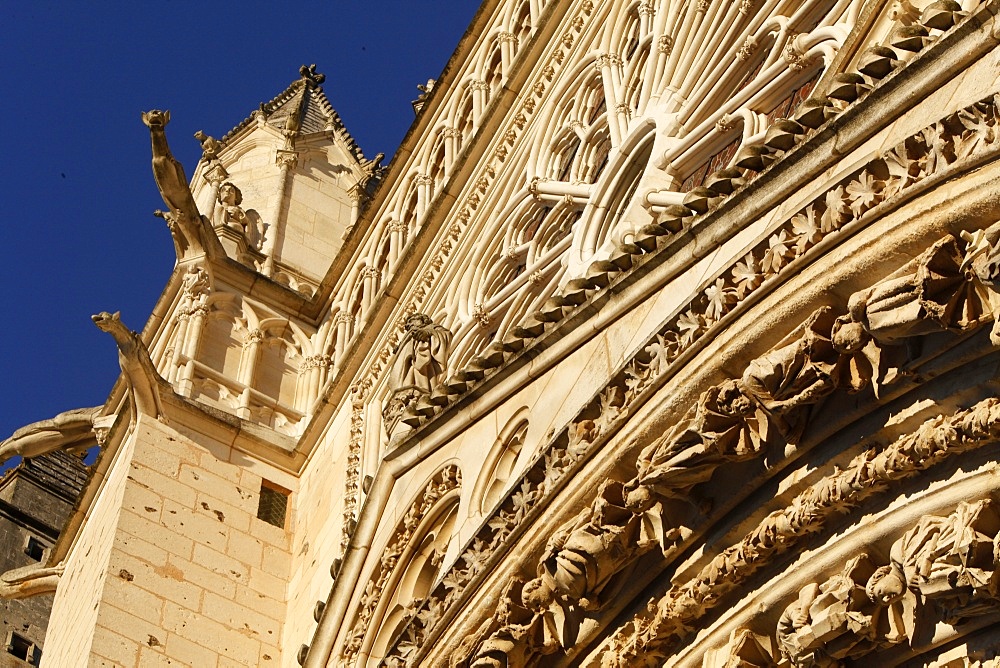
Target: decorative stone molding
{"points": [[480, 313], [252, 337], [353, 477], [960, 137], [315, 362], [446, 480], [286, 159], [793, 55], [749, 46], [665, 44], [870, 473]]}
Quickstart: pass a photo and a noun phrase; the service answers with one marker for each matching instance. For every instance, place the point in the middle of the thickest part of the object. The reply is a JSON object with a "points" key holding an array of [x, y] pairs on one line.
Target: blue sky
{"points": [[77, 193]]}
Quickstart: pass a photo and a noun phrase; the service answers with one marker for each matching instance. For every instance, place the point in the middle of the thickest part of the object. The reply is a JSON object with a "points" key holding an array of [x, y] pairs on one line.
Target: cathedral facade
{"points": [[668, 337]]}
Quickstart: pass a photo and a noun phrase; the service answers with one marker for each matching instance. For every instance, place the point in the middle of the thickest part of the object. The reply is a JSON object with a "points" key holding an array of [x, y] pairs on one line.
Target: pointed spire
{"points": [[300, 109]]}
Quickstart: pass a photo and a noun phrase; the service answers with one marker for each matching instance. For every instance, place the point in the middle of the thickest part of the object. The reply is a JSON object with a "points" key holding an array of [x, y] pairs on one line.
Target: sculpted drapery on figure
{"points": [[945, 288], [231, 214], [420, 364], [944, 569]]}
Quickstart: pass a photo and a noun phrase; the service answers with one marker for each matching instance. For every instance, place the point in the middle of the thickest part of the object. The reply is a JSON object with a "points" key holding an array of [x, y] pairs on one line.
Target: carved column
{"points": [[248, 364], [605, 65], [452, 137], [508, 49], [285, 159], [355, 194], [174, 354], [424, 193], [645, 17], [192, 312], [480, 92], [397, 229], [343, 321], [310, 380], [216, 176], [370, 276]]}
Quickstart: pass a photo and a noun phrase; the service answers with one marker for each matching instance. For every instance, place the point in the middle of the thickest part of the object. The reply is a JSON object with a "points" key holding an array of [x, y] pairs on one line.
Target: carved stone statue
{"points": [[723, 426], [827, 622], [419, 366], [982, 260], [144, 382], [210, 146], [517, 638], [581, 558], [182, 215], [795, 374], [233, 214], [30, 580], [952, 560], [930, 294], [66, 431]]}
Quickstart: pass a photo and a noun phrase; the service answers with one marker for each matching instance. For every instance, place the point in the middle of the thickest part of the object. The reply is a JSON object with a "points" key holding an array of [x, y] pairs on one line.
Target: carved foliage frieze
{"points": [[951, 286]]}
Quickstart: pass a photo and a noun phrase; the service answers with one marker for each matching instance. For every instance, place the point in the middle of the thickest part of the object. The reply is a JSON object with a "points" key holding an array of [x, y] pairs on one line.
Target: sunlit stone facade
{"points": [[667, 337]]}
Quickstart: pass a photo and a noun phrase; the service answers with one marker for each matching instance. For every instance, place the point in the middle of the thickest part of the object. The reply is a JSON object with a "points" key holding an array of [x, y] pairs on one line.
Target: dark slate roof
{"points": [[60, 472]]}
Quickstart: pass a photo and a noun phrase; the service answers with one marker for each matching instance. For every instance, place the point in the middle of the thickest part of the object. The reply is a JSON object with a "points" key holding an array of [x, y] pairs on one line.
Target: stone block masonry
{"points": [[182, 573]]}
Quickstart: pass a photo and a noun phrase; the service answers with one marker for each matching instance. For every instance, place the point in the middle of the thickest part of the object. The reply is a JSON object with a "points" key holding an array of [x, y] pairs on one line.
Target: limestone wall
{"points": [[186, 570], [75, 608]]}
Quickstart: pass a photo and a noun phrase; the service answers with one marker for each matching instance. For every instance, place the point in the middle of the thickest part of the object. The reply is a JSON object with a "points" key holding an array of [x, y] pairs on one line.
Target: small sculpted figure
{"points": [[827, 622], [66, 431], [982, 260], [952, 560], [210, 146], [930, 294], [418, 367], [796, 374], [518, 638], [195, 287], [893, 617], [233, 214], [373, 168], [143, 380], [422, 355], [722, 427], [586, 553]]}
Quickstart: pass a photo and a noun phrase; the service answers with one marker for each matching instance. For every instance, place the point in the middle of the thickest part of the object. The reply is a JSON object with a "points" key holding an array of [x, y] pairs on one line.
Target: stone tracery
{"points": [[854, 355]]}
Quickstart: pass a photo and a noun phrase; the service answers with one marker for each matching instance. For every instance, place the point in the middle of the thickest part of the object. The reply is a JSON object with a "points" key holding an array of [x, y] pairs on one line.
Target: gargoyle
{"points": [[66, 431], [144, 382], [189, 229], [30, 581]]}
